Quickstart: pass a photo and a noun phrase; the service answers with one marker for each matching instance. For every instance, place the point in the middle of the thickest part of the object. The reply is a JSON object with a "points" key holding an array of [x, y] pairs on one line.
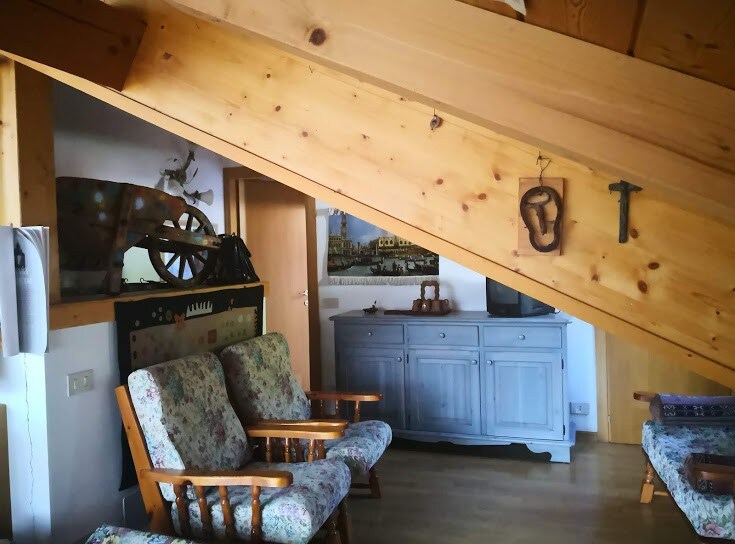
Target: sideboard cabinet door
{"points": [[522, 395], [444, 390], [374, 370]]}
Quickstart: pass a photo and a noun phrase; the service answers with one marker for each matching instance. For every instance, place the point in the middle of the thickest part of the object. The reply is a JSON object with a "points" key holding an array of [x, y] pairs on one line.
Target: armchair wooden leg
{"points": [[647, 487], [344, 523], [331, 526], [374, 483]]}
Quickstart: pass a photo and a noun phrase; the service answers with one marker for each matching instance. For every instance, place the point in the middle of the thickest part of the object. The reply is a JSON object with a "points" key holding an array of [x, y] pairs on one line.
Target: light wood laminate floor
{"points": [[452, 494]]}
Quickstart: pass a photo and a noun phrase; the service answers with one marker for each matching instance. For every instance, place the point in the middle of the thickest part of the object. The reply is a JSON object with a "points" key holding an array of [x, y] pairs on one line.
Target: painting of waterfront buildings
{"points": [[361, 253]]}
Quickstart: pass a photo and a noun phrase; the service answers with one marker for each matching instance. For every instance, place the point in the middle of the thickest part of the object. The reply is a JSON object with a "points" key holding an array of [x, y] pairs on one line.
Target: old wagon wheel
{"points": [[185, 266]]}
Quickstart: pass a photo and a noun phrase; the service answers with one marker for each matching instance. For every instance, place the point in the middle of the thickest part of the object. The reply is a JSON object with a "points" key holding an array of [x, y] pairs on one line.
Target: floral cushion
{"points": [[667, 447], [290, 514], [107, 534], [186, 418], [260, 380], [361, 446]]}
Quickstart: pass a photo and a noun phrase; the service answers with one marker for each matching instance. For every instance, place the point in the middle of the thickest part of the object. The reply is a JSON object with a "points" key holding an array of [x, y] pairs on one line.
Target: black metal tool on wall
{"points": [[625, 189]]}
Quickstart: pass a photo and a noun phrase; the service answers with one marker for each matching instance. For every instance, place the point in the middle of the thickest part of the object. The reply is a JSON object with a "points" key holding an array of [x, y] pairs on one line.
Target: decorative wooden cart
{"points": [[100, 220]]}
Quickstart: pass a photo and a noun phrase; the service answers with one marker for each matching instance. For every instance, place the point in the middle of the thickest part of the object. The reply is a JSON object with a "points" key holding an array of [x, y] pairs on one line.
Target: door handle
{"points": [[304, 293]]}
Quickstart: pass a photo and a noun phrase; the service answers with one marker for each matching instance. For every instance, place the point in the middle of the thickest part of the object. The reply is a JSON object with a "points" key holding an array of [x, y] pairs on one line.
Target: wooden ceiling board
{"points": [[697, 38], [610, 24]]}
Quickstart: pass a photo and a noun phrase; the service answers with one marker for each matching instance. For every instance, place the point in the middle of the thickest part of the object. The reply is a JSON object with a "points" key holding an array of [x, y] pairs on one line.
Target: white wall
{"points": [[466, 291], [23, 390]]}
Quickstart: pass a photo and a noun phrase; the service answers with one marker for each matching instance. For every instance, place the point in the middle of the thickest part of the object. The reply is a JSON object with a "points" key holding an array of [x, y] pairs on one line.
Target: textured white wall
{"points": [[466, 290]]}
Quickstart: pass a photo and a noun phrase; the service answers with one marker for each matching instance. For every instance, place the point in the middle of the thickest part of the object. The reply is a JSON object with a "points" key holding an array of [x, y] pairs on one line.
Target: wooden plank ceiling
{"points": [[696, 38], [369, 150]]}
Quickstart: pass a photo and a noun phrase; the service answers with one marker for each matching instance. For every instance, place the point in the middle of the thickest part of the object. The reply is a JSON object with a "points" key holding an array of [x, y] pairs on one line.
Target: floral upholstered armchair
{"points": [[262, 388], [194, 462], [682, 432]]}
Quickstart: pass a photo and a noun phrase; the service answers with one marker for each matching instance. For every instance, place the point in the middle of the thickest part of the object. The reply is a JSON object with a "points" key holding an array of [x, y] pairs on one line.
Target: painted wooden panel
{"points": [[609, 23], [444, 335], [523, 337], [444, 391], [631, 368], [375, 369], [523, 395], [372, 333], [696, 38]]}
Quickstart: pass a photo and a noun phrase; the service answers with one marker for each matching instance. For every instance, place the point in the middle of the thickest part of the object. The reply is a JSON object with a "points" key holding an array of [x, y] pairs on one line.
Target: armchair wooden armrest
{"points": [[644, 396], [205, 478], [292, 433], [337, 396], [342, 423], [201, 479]]}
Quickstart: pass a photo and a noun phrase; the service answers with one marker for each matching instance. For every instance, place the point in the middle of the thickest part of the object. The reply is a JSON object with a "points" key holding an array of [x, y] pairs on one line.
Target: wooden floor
{"points": [[452, 494]]}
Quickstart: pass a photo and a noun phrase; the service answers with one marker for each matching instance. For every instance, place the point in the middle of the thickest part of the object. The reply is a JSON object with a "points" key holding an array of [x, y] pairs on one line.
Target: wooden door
{"points": [[444, 391], [523, 395], [369, 369], [630, 368], [276, 235]]}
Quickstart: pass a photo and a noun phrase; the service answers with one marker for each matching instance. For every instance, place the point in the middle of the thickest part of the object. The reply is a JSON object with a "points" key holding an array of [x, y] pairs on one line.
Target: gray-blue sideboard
{"points": [[464, 378]]}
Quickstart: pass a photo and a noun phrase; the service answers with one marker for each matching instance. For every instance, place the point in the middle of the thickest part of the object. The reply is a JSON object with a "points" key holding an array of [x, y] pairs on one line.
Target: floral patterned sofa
{"points": [[667, 447], [107, 534]]}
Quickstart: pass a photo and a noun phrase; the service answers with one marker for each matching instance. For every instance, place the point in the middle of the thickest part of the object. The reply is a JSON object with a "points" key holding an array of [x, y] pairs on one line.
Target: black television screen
{"points": [[502, 301]]}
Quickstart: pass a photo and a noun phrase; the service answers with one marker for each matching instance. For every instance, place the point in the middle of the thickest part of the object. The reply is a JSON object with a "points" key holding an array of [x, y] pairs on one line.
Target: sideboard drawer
{"points": [[370, 334], [439, 335], [523, 337]]}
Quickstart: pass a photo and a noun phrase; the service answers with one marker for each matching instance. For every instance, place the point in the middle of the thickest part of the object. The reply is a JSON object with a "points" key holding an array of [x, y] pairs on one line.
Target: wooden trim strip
{"points": [[85, 312]]}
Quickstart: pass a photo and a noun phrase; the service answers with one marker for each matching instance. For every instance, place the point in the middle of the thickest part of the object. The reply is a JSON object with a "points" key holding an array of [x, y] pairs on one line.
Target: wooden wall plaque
{"points": [[524, 243]]}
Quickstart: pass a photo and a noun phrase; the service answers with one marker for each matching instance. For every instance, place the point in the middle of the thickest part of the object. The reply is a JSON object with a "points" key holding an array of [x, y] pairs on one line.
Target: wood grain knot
{"points": [[497, 177], [439, 181], [465, 207], [642, 286], [167, 56], [278, 108], [482, 196], [304, 133], [595, 277], [318, 36], [633, 233], [653, 266]]}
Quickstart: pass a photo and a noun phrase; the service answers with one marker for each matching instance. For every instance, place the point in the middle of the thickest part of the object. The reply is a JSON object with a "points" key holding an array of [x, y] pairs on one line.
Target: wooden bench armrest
{"points": [[345, 396], [261, 478], [315, 431], [644, 396], [714, 473]]}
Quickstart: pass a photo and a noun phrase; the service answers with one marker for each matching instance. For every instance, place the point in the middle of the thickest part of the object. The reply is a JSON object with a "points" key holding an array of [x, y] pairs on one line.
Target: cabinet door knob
{"points": [[489, 362], [370, 333], [521, 337], [442, 335], [474, 362], [400, 359]]}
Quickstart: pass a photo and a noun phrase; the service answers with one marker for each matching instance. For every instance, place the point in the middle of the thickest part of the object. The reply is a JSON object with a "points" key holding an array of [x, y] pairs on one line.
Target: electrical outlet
{"points": [[79, 382], [579, 408]]}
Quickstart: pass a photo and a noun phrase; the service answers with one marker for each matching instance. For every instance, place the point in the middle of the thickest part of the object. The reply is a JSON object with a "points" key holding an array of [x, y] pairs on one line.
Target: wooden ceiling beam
{"points": [[659, 129], [87, 38], [453, 190]]}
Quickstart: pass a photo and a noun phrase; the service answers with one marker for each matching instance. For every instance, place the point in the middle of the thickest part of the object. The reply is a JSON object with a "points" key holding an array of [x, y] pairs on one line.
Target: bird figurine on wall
{"points": [[176, 180]]}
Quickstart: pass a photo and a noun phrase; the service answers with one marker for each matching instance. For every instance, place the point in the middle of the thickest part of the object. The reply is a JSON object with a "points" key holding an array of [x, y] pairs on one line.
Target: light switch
{"points": [[79, 382]]}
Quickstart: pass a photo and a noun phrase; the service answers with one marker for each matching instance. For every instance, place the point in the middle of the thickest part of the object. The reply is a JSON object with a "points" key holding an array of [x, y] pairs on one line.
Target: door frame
{"points": [[233, 181]]}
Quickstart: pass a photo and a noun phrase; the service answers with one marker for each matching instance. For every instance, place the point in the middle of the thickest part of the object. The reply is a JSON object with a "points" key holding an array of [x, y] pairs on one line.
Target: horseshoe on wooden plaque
{"points": [[539, 208]]}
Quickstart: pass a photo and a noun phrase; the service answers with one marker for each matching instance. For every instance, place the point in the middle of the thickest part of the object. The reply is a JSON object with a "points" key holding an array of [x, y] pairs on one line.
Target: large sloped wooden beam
{"points": [[83, 37], [660, 129], [453, 190]]}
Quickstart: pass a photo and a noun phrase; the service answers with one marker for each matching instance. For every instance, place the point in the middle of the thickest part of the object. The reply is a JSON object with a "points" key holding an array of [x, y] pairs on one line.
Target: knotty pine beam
{"points": [[454, 190], [644, 123], [84, 37], [27, 180]]}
